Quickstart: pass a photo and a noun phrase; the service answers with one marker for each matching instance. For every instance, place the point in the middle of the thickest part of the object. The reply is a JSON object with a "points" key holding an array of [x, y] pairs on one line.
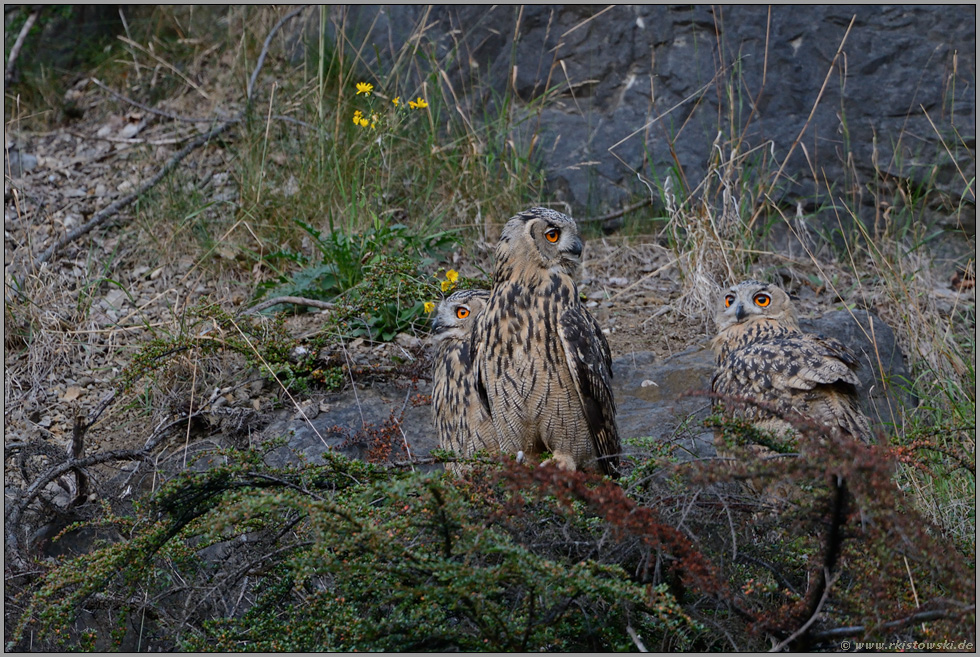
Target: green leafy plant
{"points": [[346, 259]]}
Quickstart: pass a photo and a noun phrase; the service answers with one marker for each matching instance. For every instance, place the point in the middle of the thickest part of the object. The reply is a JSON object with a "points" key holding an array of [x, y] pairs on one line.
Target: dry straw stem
{"points": [[806, 124]]}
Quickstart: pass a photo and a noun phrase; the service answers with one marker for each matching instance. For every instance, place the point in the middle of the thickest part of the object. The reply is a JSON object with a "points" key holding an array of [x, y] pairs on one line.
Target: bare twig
{"points": [[919, 617], [828, 580], [12, 547], [636, 639], [265, 50], [113, 209], [152, 110], [296, 301], [166, 64], [16, 508], [178, 117], [77, 451], [19, 43], [615, 214]]}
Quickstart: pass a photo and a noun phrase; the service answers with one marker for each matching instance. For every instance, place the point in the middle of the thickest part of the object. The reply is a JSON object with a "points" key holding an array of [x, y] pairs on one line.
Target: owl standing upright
{"points": [[542, 364], [462, 424], [763, 356]]}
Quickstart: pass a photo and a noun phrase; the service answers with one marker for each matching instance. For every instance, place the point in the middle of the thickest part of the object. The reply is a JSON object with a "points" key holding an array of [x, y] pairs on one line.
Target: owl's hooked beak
{"points": [[740, 313], [576, 247], [437, 325]]}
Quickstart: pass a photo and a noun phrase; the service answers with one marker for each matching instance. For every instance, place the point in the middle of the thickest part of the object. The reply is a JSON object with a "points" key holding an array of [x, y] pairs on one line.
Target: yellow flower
{"points": [[357, 117], [364, 122], [446, 286], [374, 120], [418, 104], [364, 88], [452, 275], [396, 100], [429, 306]]}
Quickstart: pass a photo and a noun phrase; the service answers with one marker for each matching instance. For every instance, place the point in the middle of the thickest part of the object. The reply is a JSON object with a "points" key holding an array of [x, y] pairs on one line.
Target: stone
{"points": [[638, 89], [20, 163], [659, 399]]}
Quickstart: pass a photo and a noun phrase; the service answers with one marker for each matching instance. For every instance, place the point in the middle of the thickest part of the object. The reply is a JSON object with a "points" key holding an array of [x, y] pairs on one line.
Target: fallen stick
{"points": [[615, 214], [296, 301], [113, 209], [19, 43]]}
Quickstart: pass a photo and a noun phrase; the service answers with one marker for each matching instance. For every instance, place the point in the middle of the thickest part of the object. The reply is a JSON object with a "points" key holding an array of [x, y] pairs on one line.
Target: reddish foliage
{"points": [[626, 517]]}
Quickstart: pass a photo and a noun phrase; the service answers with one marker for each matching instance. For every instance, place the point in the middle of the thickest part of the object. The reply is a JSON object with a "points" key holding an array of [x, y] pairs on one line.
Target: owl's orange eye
{"points": [[462, 312], [552, 235], [762, 300], [729, 300]]}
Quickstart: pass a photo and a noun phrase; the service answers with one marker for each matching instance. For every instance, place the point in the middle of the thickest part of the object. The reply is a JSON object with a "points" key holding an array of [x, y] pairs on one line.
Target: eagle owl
{"points": [[462, 424], [542, 364], [763, 356]]}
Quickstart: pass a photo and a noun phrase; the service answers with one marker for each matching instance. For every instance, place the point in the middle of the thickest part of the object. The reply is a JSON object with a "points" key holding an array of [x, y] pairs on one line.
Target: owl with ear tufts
{"points": [[462, 424], [763, 356], [543, 366]]}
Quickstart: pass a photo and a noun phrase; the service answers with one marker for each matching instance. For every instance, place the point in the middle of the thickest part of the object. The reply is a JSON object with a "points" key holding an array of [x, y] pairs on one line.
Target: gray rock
{"points": [[20, 163], [354, 421], [634, 86], [668, 409], [658, 400]]}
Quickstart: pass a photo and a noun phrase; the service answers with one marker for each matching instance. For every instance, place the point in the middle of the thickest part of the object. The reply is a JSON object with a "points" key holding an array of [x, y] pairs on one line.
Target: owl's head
{"points": [[541, 237], [750, 301], [457, 313]]}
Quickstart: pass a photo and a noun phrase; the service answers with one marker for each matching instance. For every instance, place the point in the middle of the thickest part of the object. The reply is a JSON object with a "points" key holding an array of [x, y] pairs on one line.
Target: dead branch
{"points": [[615, 214], [902, 623], [297, 301], [152, 110], [113, 209], [77, 452], [16, 508], [175, 117], [265, 50], [829, 580], [19, 43]]}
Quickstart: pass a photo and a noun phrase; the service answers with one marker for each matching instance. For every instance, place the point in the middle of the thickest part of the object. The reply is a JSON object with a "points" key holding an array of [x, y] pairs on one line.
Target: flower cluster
{"points": [[452, 276], [363, 120]]}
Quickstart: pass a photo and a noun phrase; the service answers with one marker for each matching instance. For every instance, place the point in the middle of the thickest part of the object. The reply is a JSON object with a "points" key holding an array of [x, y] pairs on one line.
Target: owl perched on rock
{"points": [[462, 424], [762, 355], [542, 364]]}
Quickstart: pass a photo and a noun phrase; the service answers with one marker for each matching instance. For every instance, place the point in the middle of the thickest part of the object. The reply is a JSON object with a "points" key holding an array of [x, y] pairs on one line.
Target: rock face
{"points": [[653, 400], [633, 86]]}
